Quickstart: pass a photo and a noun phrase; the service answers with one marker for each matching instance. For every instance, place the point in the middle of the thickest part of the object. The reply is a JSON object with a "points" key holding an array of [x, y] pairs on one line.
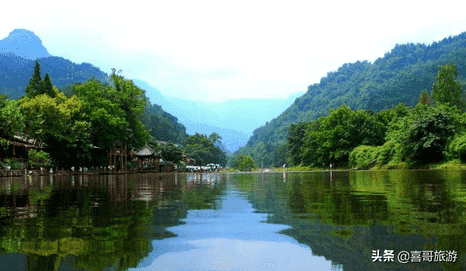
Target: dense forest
{"points": [[15, 73], [398, 77], [80, 127], [398, 137]]}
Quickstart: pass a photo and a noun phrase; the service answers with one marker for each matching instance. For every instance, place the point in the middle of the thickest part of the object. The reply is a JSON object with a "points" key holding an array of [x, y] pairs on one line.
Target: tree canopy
{"points": [[398, 77], [204, 151]]}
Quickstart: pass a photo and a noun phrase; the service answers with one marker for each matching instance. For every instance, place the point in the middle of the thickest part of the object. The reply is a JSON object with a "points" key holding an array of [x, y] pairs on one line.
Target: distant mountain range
{"points": [[233, 120]]}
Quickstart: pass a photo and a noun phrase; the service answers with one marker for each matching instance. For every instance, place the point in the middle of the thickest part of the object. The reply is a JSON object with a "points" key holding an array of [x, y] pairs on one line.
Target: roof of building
{"points": [[145, 151]]}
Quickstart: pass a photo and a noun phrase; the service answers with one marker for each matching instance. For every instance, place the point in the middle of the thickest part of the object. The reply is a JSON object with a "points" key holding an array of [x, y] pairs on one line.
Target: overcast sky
{"points": [[222, 50]]}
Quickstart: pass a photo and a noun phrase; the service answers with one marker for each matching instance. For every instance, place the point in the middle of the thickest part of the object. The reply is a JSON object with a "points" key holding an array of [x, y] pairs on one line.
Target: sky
{"points": [[215, 51]]}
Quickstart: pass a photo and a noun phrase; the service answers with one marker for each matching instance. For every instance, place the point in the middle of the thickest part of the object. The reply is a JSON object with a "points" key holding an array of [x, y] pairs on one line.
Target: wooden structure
{"points": [[117, 158], [147, 158], [18, 149]]}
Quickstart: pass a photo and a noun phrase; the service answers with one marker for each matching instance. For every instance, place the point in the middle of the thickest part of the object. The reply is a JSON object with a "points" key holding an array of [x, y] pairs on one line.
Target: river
{"points": [[364, 220]]}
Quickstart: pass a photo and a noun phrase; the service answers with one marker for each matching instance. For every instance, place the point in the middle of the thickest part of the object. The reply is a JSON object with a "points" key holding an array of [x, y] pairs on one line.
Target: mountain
{"points": [[234, 120], [399, 76], [23, 43], [17, 60], [15, 72]]}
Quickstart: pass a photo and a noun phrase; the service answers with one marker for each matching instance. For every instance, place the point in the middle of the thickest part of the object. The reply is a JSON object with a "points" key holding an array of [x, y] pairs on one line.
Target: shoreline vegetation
{"points": [[92, 122], [444, 165], [429, 135]]}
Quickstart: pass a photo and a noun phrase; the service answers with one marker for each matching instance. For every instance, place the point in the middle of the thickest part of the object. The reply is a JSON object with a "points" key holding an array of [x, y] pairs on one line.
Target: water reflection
{"points": [[301, 221], [91, 222], [232, 238], [344, 216]]}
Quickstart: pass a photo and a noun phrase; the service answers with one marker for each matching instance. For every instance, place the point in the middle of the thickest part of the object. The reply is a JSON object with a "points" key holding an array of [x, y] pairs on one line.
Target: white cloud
{"points": [[230, 50]]}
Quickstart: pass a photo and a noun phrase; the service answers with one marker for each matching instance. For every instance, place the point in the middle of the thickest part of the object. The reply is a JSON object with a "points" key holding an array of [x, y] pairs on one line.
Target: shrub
{"points": [[456, 148], [362, 156], [246, 163], [38, 158], [388, 152], [11, 163]]}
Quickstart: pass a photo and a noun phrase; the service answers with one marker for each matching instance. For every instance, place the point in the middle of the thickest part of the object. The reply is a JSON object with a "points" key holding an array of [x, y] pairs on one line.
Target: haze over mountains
{"points": [[234, 120]]}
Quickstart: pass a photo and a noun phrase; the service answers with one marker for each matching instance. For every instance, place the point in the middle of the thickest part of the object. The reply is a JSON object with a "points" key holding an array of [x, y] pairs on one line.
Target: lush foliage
{"points": [[456, 149], [424, 98], [172, 153], [446, 88], [114, 112], [162, 125], [424, 133], [58, 123], [392, 138], [11, 119], [398, 77], [38, 158], [16, 73], [204, 149], [92, 114], [363, 156], [244, 162]]}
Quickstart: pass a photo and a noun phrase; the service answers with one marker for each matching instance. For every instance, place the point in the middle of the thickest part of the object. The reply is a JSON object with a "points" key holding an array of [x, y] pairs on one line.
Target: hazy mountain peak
{"points": [[23, 43]]}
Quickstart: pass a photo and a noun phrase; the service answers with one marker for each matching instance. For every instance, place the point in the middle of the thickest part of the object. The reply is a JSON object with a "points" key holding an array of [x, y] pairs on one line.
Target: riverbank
{"points": [[445, 165]]}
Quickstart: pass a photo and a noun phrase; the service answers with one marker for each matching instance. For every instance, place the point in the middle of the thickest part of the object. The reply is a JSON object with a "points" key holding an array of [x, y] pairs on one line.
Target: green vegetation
{"points": [[399, 77], [172, 153], [400, 137], [244, 163], [205, 150], [91, 114], [38, 158]]}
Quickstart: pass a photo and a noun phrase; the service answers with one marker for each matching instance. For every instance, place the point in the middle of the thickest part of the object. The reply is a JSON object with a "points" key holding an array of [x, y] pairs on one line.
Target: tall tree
{"points": [[57, 122], [47, 86], [201, 148], [446, 88], [35, 86], [424, 98], [214, 137]]}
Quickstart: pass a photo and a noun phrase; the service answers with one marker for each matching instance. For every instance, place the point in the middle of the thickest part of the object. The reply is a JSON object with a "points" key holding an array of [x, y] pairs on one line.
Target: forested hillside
{"points": [[15, 73], [399, 76], [163, 125]]}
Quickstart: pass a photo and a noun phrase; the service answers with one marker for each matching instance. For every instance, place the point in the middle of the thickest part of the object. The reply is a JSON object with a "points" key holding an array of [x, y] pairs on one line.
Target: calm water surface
{"points": [[292, 221]]}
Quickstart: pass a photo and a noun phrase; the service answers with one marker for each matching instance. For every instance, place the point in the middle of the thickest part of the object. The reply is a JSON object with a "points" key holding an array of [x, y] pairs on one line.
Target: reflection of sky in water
{"points": [[232, 238]]}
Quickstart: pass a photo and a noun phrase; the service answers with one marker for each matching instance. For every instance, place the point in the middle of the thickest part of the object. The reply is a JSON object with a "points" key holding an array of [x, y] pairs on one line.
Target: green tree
{"points": [[172, 153], [12, 120], [38, 158], [424, 98], [114, 113], [446, 88], [295, 141], [424, 133], [132, 100], [47, 86], [58, 123], [244, 162], [201, 148], [214, 138], [259, 152], [35, 86]]}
